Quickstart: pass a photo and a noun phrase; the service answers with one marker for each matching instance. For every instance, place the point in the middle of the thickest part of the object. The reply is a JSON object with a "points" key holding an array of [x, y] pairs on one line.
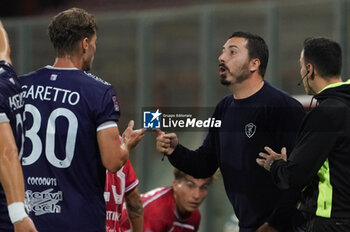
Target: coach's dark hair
{"points": [[68, 28], [257, 48], [324, 54]]}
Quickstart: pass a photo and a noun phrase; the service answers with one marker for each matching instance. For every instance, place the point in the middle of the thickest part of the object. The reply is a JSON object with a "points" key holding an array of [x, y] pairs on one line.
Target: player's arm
{"points": [[4, 45], [113, 153], [11, 178], [134, 209]]}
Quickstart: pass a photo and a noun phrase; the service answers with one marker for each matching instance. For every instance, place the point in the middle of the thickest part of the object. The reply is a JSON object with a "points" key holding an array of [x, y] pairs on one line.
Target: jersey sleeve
{"points": [[131, 181], [6, 73], [108, 110]]}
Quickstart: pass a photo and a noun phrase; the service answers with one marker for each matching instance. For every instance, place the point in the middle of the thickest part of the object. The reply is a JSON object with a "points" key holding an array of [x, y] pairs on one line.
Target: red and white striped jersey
{"points": [[117, 184], [160, 214]]}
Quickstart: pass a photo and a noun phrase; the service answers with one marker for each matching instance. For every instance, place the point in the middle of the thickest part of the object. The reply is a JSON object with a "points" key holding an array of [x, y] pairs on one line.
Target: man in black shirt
{"points": [[255, 114], [319, 164]]}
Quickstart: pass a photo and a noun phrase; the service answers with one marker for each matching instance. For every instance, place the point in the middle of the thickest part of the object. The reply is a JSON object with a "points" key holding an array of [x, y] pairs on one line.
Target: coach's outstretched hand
{"points": [[131, 137], [166, 142]]}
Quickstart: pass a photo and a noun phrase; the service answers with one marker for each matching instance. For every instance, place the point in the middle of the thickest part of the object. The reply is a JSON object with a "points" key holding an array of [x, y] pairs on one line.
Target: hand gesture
{"points": [[166, 143], [131, 137], [267, 159]]}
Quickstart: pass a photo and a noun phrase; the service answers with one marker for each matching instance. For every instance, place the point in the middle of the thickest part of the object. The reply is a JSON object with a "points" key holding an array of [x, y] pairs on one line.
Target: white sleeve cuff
{"points": [[4, 118], [106, 125]]}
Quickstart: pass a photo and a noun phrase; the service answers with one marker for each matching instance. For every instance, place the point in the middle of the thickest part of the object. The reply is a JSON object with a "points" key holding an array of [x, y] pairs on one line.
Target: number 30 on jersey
{"points": [[37, 144]]}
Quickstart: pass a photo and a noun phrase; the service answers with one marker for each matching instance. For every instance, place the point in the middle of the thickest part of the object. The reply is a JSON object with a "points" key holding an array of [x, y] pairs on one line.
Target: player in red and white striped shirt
{"points": [[173, 208]]}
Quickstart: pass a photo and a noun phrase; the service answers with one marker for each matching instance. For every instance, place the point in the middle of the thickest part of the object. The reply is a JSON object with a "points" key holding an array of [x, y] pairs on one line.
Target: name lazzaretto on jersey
{"points": [[50, 93]]}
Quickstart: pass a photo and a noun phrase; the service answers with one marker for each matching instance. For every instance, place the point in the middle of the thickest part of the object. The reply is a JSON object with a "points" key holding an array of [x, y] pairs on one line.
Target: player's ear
{"points": [[85, 44], [175, 183]]}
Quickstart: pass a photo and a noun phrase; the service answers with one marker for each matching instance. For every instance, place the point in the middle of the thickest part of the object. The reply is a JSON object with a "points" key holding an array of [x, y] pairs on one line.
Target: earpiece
{"points": [[301, 81]]}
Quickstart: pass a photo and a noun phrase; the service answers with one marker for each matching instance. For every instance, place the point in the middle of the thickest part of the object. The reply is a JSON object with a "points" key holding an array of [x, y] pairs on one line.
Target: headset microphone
{"points": [[301, 80]]}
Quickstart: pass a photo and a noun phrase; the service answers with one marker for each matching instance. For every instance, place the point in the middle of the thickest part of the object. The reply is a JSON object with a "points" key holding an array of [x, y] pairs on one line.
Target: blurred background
{"points": [[164, 53]]}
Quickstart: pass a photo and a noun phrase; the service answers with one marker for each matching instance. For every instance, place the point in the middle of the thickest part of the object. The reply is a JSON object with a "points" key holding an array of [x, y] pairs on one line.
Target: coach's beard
{"points": [[238, 79], [223, 80], [223, 76]]}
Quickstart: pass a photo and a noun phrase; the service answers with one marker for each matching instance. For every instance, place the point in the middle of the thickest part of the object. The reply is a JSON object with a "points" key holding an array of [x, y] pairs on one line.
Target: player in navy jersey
{"points": [[173, 208], [11, 110], [254, 115], [71, 131]]}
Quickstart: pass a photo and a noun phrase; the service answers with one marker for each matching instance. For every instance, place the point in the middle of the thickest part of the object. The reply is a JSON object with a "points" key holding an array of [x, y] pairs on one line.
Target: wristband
{"points": [[17, 212]]}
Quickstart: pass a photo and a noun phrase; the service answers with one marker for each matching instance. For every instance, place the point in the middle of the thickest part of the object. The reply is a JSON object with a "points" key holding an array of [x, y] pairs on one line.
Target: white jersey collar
{"points": [[52, 67]]}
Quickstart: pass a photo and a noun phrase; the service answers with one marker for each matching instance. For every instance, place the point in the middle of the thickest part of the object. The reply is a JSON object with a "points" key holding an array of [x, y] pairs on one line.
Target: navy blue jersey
{"points": [[61, 161], [271, 118], [11, 110]]}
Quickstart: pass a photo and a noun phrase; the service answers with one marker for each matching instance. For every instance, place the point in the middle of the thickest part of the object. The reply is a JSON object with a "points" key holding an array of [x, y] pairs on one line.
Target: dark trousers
{"points": [[320, 224]]}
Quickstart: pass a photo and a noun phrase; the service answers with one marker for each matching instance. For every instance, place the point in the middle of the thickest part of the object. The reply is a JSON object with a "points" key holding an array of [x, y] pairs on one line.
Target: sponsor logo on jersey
{"points": [[115, 103], [49, 181], [112, 215], [2, 70], [53, 77], [250, 129], [43, 202], [151, 119]]}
